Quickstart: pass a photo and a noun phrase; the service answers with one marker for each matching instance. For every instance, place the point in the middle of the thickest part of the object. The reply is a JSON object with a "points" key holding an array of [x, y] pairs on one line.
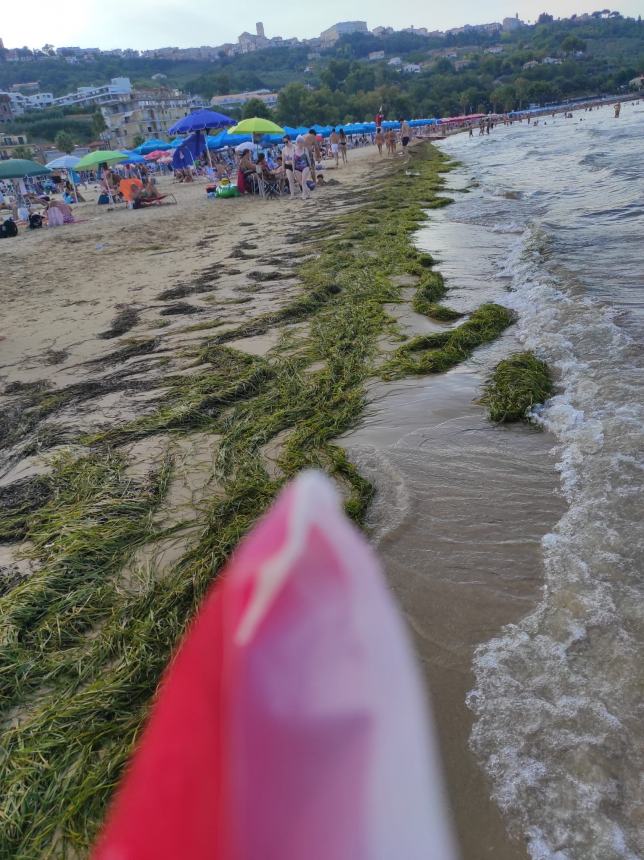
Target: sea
{"points": [[558, 698], [516, 555]]}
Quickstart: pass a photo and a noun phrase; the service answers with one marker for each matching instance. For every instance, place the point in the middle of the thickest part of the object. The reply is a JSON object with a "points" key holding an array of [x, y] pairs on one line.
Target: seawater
{"points": [[558, 696]]}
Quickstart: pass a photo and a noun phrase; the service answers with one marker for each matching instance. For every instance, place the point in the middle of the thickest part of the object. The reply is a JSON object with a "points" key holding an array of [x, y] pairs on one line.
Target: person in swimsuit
{"points": [[288, 154], [405, 134], [343, 145], [334, 140], [302, 166], [379, 140]]}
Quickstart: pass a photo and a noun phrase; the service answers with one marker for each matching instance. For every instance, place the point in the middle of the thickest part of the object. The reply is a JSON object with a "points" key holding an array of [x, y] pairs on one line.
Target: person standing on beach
{"points": [[379, 118], [334, 140], [379, 140], [343, 145], [302, 165], [310, 141], [405, 134]]}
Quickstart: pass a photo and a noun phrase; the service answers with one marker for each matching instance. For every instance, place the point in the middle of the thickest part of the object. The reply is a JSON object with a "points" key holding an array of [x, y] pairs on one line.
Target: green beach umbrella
{"points": [[16, 168], [256, 125], [101, 156]]}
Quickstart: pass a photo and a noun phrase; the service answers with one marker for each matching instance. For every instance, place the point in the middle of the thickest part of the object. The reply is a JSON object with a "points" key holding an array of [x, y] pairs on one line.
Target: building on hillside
{"points": [[495, 49], [411, 68], [551, 61], [21, 103], [637, 83], [511, 24], [382, 31], [395, 61], [253, 41], [8, 143], [530, 64], [6, 108], [417, 31], [376, 55], [233, 100], [342, 28], [142, 113], [88, 96]]}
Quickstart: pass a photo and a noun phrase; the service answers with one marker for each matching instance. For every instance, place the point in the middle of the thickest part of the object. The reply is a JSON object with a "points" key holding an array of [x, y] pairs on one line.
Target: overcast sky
{"points": [[157, 23]]}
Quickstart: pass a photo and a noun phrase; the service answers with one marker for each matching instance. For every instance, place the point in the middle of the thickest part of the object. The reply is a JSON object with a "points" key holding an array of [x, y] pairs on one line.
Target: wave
{"points": [[557, 696]]}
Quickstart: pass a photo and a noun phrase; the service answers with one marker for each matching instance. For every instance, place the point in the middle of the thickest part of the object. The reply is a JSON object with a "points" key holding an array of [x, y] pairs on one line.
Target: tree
{"points": [[64, 142], [138, 140], [290, 103], [98, 124], [573, 43], [256, 107], [22, 152], [544, 18]]}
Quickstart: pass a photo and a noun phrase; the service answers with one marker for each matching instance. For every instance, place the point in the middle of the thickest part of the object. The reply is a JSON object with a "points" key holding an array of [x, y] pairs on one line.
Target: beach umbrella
{"points": [[18, 168], [100, 156], [133, 158], [201, 120], [256, 125], [153, 145], [246, 145], [66, 162]]}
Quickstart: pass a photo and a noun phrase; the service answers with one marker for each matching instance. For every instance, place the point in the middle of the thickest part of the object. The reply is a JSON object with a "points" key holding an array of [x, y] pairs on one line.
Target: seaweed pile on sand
{"points": [[84, 638]]}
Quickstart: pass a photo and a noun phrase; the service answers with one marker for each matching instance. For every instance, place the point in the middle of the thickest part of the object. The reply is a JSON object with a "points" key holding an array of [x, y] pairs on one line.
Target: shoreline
{"points": [[181, 385]]}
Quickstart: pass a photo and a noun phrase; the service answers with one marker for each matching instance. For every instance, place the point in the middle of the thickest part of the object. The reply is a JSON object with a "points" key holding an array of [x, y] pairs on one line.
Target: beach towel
{"points": [[55, 217], [291, 724]]}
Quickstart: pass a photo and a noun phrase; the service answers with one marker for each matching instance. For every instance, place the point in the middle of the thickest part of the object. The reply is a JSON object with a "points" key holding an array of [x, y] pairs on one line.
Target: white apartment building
{"points": [[86, 96], [237, 99]]}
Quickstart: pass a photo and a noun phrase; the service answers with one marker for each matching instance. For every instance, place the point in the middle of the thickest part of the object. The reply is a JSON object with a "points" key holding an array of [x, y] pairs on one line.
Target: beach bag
{"points": [[35, 221], [103, 199], [9, 229]]}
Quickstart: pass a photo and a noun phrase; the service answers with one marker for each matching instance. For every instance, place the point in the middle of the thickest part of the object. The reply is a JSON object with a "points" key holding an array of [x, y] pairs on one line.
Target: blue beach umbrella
{"points": [[152, 145], [201, 120], [133, 158]]}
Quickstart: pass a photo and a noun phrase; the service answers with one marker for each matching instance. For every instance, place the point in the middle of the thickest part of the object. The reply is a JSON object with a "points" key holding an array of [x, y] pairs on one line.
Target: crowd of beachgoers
{"points": [[291, 165]]}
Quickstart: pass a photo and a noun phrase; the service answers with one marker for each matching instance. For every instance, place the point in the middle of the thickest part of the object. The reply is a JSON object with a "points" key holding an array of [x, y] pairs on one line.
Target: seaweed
{"points": [[517, 384]]}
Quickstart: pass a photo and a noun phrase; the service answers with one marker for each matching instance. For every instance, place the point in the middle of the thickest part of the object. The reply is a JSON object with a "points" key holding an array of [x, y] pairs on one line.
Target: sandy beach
{"points": [[113, 310]]}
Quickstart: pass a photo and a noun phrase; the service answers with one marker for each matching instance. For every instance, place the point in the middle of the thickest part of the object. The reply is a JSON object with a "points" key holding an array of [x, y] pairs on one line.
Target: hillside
{"points": [[471, 70]]}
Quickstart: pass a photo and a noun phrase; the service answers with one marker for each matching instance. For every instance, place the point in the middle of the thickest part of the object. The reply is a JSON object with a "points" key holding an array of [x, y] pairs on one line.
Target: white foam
{"points": [[556, 696]]}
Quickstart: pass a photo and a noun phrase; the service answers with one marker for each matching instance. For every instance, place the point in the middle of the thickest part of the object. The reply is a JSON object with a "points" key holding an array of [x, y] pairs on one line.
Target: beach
{"points": [[163, 371]]}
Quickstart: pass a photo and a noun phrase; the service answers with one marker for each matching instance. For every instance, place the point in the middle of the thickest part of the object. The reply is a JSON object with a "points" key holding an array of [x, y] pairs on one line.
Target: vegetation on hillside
{"points": [[594, 56]]}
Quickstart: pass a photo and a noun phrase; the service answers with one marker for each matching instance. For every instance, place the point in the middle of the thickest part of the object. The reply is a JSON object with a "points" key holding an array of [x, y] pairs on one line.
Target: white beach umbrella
{"points": [[65, 162], [247, 145], [68, 163]]}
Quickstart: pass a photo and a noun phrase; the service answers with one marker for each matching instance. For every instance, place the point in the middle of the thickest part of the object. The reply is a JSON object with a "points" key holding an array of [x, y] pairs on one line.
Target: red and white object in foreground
{"points": [[291, 724]]}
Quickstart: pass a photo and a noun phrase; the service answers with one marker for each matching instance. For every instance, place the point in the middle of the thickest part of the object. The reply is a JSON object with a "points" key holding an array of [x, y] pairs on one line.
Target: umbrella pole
{"points": [[207, 147], [70, 173]]}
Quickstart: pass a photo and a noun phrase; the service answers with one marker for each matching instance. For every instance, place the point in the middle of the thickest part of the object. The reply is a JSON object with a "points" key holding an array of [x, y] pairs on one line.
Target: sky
{"points": [[144, 24]]}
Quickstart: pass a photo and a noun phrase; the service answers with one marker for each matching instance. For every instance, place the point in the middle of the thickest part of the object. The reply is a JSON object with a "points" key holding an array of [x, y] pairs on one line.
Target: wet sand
{"points": [[462, 506], [460, 511]]}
